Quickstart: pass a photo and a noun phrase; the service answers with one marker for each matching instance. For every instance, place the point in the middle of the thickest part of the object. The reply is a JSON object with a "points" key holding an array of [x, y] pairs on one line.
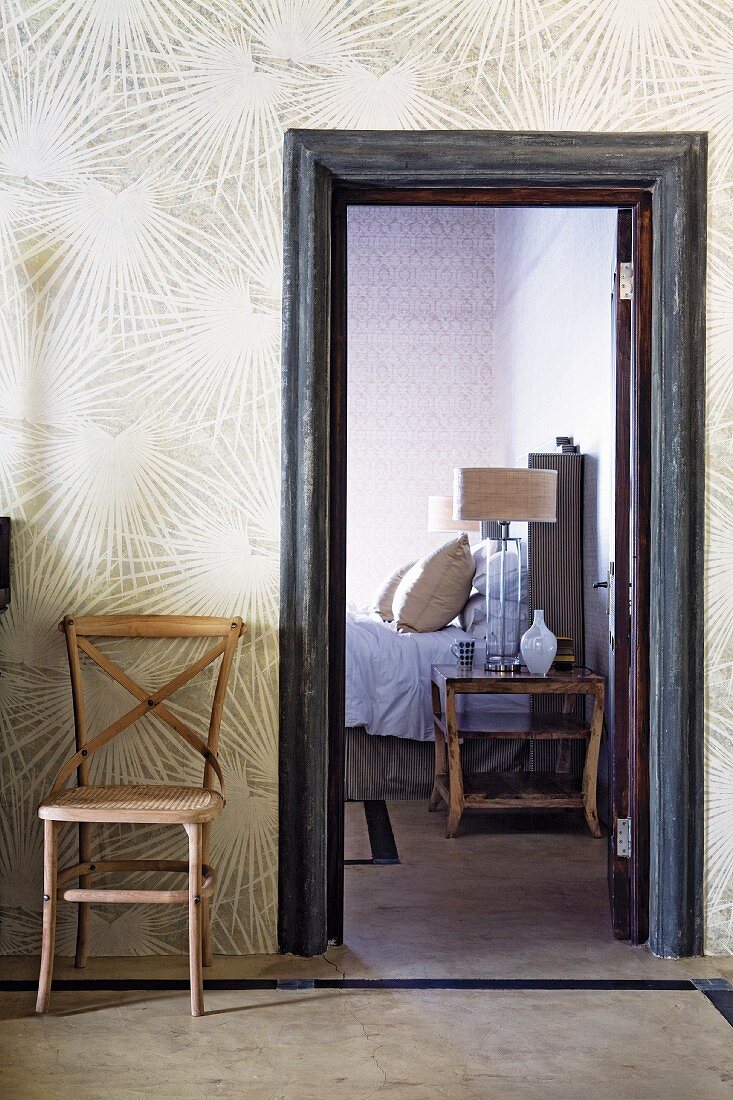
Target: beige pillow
{"points": [[435, 589], [382, 598]]}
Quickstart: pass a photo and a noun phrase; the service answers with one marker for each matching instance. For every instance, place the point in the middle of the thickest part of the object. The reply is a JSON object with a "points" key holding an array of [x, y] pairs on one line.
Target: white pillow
{"points": [[478, 631], [481, 552], [435, 589], [383, 597], [494, 570], [473, 613], [510, 582], [512, 622]]}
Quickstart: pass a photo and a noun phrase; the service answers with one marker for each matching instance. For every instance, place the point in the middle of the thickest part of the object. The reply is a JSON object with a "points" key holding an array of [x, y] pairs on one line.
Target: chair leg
{"points": [[194, 918], [206, 956], [48, 942], [82, 909], [206, 902]]}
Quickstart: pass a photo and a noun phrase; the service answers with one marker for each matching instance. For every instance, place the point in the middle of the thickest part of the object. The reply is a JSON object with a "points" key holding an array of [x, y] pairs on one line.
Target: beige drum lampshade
{"points": [[499, 493], [440, 517]]}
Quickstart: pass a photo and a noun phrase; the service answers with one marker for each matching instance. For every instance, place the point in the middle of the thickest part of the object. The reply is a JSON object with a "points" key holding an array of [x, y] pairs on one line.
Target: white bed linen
{"points": [[388, 678]]}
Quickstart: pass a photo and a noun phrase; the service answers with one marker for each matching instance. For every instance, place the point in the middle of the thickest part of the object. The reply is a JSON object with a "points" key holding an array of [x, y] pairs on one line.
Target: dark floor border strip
{"points": [[722, 999], [547, 984], [90, 985], [719, 991], [517, 983], [381, 836]]}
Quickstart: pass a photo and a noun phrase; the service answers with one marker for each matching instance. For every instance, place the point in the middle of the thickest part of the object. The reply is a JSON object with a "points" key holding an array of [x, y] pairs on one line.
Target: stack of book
{"points": [[565, 656]]}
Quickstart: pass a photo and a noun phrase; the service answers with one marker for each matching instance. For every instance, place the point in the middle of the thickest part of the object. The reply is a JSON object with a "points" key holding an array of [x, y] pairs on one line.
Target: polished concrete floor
{"points": [[513, 896], [330, 1044], [504, 899]]}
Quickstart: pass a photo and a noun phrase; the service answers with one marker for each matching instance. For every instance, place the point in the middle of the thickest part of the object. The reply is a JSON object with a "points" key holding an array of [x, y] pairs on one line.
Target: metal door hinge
{"points": [[626, 282], [623, 837]]}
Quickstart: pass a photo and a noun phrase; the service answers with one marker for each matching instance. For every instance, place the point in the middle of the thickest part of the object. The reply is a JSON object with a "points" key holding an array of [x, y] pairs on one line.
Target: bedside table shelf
{"points": [[496, 791], [548, 727], [518, 790]]}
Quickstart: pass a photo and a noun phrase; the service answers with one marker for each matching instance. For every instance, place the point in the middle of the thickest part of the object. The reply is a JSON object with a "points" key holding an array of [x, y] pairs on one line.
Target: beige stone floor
{"points": [[352, 1045], [513, 896], [505, 899]]}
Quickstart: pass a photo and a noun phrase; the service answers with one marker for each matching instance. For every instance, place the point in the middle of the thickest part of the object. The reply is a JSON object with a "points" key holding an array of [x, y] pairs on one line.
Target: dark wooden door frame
{"points": [[671, 168]]}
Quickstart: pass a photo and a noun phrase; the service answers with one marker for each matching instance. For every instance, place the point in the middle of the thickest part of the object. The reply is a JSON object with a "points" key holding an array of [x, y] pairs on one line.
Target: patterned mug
{"points": [[463, 653]]}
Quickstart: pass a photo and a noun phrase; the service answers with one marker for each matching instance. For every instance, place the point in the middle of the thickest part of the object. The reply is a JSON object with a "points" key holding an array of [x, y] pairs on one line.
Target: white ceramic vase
{"points": [[539, 646]]}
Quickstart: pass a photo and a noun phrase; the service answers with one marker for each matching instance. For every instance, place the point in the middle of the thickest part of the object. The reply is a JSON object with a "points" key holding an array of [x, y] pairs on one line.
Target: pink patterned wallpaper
{"points": [[421, 374]]}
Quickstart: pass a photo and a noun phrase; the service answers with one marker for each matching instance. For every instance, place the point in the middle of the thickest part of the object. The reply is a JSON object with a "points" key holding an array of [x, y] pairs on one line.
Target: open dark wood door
{"points": [[619, 621], [628, 658]]}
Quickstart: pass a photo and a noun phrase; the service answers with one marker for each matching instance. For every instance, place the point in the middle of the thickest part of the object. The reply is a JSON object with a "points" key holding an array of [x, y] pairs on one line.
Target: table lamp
{"points": [[440, 517], [504, 494]]}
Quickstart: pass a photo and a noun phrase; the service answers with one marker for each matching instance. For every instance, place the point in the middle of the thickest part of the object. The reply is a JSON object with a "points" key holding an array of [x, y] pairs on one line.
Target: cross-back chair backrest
{"points": [[78, 632]]}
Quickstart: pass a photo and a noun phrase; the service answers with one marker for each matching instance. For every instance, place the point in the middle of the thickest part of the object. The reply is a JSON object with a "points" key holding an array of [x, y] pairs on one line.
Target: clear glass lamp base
{"points": [[503, 664], [503, 606]]}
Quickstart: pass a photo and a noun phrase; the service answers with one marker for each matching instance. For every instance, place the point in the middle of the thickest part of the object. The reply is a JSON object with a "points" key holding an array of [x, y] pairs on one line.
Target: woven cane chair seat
{"points": [[137, 804]]}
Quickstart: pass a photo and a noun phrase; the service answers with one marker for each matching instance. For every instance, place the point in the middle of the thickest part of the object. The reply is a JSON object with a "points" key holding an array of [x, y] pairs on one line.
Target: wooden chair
{"points": [[192, 807]]}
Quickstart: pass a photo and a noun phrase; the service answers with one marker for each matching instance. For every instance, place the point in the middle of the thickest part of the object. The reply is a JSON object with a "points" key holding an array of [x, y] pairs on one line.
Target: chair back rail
{"points": [[217, 709], [79, 630], [151, 626]]}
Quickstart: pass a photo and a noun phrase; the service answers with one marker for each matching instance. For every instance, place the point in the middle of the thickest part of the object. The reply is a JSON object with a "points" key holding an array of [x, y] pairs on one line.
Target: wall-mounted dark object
{"points": [[4, 562]]}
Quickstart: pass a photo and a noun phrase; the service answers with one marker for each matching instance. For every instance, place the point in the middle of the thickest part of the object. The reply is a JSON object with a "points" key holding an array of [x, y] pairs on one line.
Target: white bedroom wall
{"points": [[420, 375], [553, 355]]}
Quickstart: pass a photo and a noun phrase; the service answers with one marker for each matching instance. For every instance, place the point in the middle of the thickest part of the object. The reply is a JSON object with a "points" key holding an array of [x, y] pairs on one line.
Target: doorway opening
{"points": [[490, 338], [658, 383]]}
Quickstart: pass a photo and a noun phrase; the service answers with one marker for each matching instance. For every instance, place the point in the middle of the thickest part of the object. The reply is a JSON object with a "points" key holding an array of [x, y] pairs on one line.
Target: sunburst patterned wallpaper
{"points": [[140, 161]]}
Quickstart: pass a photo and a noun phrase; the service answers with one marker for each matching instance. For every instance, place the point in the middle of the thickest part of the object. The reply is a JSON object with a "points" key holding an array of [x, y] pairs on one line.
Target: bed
{"points": [[389, 727]]}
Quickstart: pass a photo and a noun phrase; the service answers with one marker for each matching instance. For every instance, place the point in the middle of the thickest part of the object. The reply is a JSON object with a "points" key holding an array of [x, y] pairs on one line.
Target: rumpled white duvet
{"points": [[388, 677]]}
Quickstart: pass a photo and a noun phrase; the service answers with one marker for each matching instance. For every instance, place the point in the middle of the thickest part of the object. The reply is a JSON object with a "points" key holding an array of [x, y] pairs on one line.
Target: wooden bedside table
{"points": [[514, 790]]}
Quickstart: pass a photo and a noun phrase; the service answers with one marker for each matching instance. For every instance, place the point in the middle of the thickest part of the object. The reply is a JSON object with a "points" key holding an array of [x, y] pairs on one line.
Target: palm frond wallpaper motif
{"points": [[140, 241]]}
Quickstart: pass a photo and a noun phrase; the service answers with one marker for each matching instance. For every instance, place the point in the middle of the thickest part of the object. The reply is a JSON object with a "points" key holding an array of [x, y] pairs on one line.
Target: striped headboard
{"points": [[555, 566], [555, 552]]}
